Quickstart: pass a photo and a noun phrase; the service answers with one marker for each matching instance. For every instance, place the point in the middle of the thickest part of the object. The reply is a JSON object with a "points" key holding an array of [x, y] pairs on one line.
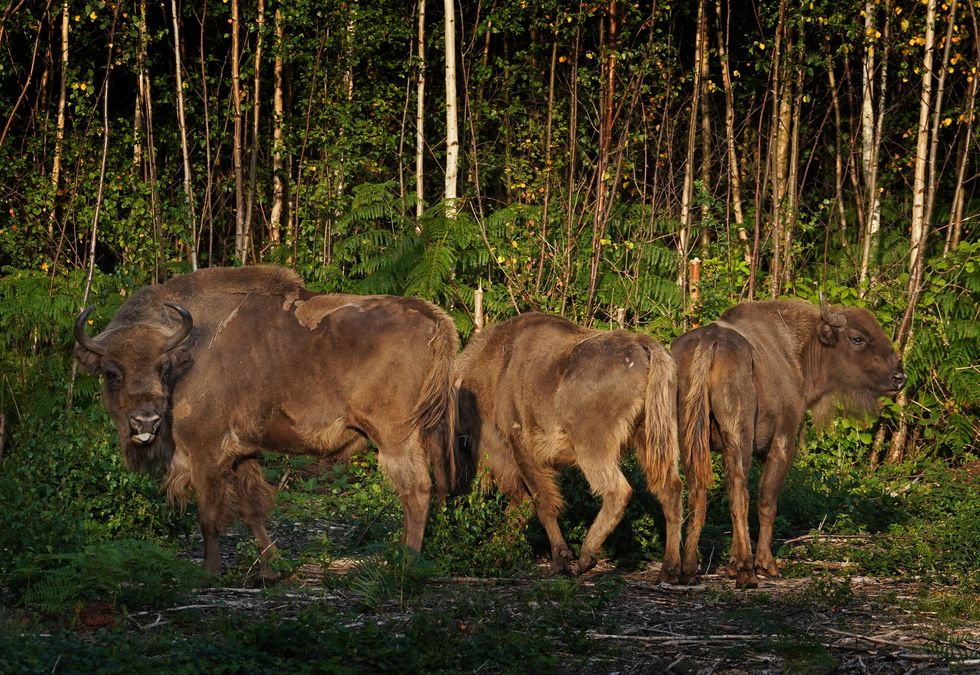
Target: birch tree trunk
{"points": [[838, 154], [687, 189], [182, 124], [256, 117], [734, 170], [920, 227], [871, 136], [241, 234], [420, 120], [452, 126], [779, 154], [59, 134], [602, 164], [278, 188], [955, 228], [145, 105]]}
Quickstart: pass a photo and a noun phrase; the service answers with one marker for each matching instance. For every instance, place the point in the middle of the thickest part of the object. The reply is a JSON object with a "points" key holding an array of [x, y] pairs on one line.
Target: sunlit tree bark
{"points": [[920, 227], [420, 119], [452, 123], [241, 234], [278, 187], [182, 125], [59, 134]]}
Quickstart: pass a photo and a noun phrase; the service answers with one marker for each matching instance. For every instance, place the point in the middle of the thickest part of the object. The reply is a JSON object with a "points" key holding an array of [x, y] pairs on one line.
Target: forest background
{"points": [[647, 164]]}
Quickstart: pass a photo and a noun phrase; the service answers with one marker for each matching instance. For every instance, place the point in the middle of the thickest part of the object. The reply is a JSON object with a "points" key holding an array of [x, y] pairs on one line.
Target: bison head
{"points": [[139, 364], [857, 361]]}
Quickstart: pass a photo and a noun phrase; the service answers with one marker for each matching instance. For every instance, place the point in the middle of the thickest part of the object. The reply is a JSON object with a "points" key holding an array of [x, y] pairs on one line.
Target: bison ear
{"points": [[828, 334], [89, 360], [181, 360]]}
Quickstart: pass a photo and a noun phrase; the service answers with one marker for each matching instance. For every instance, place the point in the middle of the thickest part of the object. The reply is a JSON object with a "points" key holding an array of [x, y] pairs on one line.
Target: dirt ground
{"points": [[819, 624]]}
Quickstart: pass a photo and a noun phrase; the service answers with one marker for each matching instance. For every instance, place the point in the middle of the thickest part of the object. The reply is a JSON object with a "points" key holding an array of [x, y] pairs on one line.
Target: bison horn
{"points": [[186, 324], [835, 319], [82, 338]]}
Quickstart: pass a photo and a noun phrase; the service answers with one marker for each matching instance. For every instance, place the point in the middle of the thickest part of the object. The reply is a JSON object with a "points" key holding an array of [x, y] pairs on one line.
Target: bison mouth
{"points": [[144, 438]]}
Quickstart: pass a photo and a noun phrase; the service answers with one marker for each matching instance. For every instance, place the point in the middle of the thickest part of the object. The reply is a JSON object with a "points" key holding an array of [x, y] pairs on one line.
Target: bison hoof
{"points": [[746, 579], [688, 578], [770, 570], [561, 562], [586, 562], [670, 575]]}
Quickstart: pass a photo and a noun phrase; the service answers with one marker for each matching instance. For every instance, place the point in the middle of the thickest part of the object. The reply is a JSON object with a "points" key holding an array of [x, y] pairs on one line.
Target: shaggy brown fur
{"points": [[744, 385], [538, 392], [272, 366]]}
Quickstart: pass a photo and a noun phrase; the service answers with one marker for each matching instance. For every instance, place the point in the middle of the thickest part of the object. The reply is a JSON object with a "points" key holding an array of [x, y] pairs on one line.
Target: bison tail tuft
{"points": [[660, 450], [435, 413], [695, 425]]}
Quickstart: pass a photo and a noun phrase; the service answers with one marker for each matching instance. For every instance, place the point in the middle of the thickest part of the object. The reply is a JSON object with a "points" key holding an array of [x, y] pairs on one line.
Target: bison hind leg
{"points": [[406, 467], [608, 482]]}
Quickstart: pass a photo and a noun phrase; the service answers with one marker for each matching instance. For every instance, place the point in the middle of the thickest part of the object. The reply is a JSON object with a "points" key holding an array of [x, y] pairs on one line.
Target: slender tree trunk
{"points": [[420, 121], [100, 194], [687, 190], [452, 125], [779, 154], [549, 121], [241, 234], [146, 110], [920, 227], [572, 174], [602, 165], [955, 228], [256, 117], [871, 137], [937, 109], [792, 181], [838, 155], [734, 173], [278, 188], [182, 124], [207, 206], [28, 80], [59, 136]]}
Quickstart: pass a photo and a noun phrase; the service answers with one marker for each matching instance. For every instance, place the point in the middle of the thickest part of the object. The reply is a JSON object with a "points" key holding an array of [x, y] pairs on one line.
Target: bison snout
{"points": [[143, 427], [899, 378]]}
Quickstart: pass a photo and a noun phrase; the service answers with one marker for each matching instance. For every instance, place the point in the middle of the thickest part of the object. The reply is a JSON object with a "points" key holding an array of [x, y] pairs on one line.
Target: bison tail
{"points": [[660, 450], [695, 425], [435, 414]]}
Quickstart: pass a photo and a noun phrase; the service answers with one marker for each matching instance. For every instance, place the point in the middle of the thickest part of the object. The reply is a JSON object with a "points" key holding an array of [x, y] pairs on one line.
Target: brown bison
{"points": [[538, 392], [744, 385], [204, 372]]}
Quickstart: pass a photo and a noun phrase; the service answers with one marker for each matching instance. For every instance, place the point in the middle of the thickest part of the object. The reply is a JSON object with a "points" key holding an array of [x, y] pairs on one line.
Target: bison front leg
{"points": [[254, 497], [771, 484], [212, 515]]}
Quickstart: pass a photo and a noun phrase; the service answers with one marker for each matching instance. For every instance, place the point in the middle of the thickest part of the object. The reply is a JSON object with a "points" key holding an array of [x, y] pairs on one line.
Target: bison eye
{"points": [[112, 375], [858, 340], [165, 369]]}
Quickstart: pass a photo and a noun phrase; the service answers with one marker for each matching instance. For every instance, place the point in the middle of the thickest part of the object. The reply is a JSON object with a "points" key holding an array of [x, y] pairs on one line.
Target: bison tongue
{"points": [[143, 437]]}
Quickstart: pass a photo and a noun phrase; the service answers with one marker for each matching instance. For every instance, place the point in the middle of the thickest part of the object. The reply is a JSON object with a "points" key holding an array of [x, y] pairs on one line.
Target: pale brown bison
{"points": [[204, 372], [538, 392], [744, 385]]}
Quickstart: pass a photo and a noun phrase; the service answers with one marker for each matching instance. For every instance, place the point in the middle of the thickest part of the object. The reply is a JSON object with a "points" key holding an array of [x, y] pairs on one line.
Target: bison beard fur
{"points": [[208, 370]]}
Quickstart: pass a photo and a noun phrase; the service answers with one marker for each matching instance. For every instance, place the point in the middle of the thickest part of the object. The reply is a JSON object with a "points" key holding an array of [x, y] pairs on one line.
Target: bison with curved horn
{"points": [[206, 371], [745, 383], [538, 392]]}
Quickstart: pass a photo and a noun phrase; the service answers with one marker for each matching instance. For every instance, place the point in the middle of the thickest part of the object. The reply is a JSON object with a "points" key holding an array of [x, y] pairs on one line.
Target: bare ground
{"points": [[816, 624]]}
